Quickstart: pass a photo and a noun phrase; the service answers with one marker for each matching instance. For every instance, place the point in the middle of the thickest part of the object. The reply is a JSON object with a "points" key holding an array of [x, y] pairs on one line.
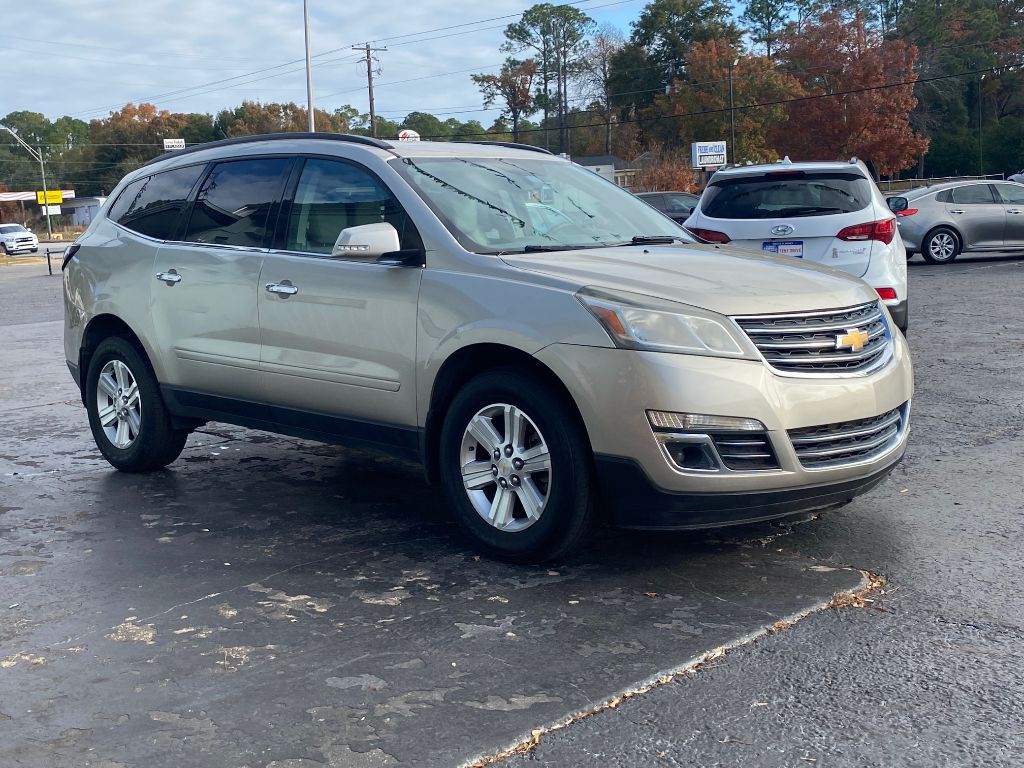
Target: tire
{"points": [[559, 497], [941, 246], [3, 249], [139, 437]]}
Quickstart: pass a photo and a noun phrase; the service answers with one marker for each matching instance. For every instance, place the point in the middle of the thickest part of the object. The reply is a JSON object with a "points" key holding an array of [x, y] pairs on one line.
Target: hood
{"points": [[723, 280]]}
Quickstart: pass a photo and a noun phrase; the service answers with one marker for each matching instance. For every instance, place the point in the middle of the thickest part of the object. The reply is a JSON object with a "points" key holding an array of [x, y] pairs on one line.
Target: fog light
{"points": [[690, 422], [691, 455]]}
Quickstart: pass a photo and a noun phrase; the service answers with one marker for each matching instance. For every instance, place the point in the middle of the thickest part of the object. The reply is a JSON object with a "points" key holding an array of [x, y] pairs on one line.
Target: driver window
{"points": [[334, 195]]}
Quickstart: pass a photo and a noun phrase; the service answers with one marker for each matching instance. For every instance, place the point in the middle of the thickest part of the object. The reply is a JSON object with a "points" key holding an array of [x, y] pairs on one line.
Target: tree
{"points": [[765, 20], [664, 169], [513, 85], [558, 35], [702, 98], [832, 58], [598, 76], [667, 28], [426, 125]]}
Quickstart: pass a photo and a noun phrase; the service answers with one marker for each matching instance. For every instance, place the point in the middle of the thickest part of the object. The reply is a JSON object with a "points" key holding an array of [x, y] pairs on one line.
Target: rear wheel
{"points": [[941, 246], [516, 467], [130, 424]]}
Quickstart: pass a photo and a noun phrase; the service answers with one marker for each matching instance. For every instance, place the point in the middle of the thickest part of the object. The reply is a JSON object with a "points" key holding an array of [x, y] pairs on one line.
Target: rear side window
{"points": [[237, 202], [332, 196], [679, 203], [1011, 194], [153, 206], [975, 194], [787, 194]]}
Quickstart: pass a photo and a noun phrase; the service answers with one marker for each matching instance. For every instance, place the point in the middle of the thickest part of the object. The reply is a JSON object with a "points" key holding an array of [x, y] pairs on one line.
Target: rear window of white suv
{"points": [[787, 194]]}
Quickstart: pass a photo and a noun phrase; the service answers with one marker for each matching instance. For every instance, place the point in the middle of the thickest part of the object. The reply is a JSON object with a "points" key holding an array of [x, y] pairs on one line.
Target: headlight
{"points": [[635, 321]]}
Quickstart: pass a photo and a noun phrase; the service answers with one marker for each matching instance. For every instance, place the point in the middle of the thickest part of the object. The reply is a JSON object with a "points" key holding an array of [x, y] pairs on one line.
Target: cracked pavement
{"points": [[273, 602]]}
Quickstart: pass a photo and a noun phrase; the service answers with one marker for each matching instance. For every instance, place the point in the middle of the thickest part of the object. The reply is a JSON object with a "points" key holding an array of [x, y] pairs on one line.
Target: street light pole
{"points": [[732, 112], [309, 68], [42, 170]]}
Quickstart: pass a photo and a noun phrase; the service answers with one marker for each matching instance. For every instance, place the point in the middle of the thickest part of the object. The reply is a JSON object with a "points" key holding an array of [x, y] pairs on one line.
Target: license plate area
{"points": [[793, 248]]}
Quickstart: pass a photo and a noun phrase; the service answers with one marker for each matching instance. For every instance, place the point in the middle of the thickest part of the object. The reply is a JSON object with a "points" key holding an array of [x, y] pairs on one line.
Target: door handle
{"points": [[170, 277], [284, 288], [1014, 210], [958, 210]]}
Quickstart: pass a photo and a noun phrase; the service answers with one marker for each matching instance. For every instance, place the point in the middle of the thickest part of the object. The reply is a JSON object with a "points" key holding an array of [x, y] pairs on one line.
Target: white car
{"points": [[1018, 177], [15, 238], [828, 213]]}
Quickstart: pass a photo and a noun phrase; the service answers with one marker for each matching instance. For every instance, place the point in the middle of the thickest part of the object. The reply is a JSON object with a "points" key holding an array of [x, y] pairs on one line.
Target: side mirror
{"points": [[365, 242], [897, 204]]}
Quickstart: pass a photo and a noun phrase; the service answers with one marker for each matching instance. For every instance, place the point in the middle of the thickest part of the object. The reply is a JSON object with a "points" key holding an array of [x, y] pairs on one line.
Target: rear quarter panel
{"points": [[110, 275]]}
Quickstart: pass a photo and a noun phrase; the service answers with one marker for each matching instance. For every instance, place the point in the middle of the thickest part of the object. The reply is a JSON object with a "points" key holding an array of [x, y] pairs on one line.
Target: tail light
{"points": [[709, 234], [883, 231], [69, 254], [888, 294], [907, 212]]}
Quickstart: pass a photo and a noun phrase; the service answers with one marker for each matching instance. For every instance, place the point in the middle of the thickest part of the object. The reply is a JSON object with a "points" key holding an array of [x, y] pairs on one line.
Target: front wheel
{"points": [[3, 249], [516, 467], [941, 246], [130, 424]]}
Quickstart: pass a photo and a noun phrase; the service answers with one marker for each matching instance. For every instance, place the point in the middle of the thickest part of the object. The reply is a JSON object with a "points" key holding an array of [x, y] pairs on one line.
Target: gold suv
{"points": [[541, 340]]}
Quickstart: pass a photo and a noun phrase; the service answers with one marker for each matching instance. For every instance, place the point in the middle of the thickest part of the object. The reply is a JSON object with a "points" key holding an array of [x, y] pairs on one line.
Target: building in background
{"points": [[610, 167]]}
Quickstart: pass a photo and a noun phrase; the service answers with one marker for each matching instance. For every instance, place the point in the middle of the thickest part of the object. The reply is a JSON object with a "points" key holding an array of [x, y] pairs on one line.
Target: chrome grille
{"points": [[848, 442], [807, 342], [745, 451]]}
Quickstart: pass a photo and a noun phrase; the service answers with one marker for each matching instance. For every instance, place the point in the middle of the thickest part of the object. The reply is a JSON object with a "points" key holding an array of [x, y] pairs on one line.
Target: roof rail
{"points": [[351, 138], [512, 145]]}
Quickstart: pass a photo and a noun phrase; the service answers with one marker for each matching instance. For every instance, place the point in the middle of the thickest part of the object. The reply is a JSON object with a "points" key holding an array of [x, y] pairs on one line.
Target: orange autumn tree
{"points": [[701, 99], [830, 55]]}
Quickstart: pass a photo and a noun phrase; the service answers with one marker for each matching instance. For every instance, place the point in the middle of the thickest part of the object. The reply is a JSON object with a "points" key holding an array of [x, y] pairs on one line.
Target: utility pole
{"points": [[309, 69], [981, 135], [732, 114], [368, 52], [38, 155]]}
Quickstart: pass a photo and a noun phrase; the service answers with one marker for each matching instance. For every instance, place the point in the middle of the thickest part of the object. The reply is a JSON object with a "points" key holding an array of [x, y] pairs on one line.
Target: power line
{"points": [[316, 56], [773, 103]]}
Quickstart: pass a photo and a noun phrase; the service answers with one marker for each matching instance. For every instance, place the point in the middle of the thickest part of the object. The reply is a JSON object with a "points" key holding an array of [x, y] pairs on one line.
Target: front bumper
{"points": [[614, 388], [635, 502], [22, 247]]}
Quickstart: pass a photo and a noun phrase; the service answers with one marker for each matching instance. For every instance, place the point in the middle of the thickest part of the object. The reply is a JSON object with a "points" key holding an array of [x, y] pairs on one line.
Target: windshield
{"points": [[9, 229], [506, 205], [787, 194]]}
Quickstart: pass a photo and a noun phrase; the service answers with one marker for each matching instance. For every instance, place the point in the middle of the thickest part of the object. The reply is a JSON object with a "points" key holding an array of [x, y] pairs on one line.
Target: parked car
{"points": [[15, 238], [826, 213], [1018, 177], [945, 220], [396, 296], [676, 205]]}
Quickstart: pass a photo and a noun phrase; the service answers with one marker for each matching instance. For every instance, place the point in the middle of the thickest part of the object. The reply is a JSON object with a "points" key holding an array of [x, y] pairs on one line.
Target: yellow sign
{"points": [[50, 197]]}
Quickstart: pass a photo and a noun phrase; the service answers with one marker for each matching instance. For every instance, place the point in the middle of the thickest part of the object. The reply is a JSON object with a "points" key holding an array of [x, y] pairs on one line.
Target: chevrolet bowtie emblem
{"points": [[854, 339]]}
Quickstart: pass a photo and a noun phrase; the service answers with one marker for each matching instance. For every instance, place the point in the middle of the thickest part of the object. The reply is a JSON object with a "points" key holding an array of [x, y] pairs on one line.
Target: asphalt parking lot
{"points": [[273, 602]]}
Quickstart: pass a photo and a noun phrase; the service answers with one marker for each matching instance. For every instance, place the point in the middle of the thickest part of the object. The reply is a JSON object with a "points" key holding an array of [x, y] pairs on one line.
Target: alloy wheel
{"points": [[118, 404], [942, 247], [506, 467]]}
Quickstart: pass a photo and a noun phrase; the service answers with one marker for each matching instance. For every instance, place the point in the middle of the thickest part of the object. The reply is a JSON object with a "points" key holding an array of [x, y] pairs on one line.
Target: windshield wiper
{"points": [[658, 240], [549, 248]]}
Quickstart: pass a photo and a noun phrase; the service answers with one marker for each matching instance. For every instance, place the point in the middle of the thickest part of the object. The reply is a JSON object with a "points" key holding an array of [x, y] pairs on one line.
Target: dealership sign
{"points": [[172, 144], [707, 154]]}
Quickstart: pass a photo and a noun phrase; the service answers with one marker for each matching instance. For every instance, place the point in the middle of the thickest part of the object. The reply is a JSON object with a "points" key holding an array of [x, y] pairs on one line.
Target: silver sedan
{"points": [[942, 221]]}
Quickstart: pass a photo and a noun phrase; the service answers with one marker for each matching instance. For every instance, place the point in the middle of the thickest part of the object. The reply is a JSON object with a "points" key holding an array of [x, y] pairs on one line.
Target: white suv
{"points": [[827, 213]]}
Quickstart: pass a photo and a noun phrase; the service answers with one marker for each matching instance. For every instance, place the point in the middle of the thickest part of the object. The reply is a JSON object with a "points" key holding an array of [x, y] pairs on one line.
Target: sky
{"points": [[86, 58]]}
